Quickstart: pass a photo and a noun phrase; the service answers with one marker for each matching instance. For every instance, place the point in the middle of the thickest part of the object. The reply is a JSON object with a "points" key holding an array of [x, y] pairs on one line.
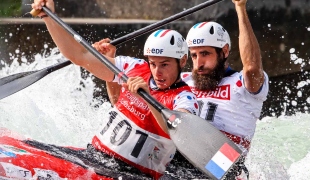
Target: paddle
{"points": [[13, 82], [201, 143]]}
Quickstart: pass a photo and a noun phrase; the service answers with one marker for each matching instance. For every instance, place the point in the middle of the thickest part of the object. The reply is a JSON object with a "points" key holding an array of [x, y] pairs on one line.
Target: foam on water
{"points": [[59, 110], [280, 147], [56, 109]]}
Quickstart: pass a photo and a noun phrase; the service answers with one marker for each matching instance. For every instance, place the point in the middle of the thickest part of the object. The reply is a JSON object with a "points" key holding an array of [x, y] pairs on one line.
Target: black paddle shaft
{"points": [[182, 123], [15, 83], [163, 22], [102, 58], [110, 65], [157, 25]]}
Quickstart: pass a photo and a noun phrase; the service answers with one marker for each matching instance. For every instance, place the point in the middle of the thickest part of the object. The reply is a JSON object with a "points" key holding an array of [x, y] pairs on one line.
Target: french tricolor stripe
{"points": [[164, 32], [199, 25], [222, 161]]}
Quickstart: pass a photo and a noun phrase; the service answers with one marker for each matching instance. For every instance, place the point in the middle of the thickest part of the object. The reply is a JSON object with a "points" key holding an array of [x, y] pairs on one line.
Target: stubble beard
{"points": [[210, 81]]}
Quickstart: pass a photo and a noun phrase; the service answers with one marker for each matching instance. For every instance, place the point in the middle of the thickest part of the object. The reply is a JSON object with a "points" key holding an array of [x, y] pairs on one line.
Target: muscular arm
{"points": [[249, 50], [70, 48], [76, 53]]}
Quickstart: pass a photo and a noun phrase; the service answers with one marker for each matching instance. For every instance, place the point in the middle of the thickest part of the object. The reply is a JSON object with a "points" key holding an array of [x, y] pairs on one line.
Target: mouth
{"points": [[160, 81], [201, 72]]}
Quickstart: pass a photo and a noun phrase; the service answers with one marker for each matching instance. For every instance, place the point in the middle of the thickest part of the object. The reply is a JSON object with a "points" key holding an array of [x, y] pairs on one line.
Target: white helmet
{"points": [[208, 34], [166, 43]]}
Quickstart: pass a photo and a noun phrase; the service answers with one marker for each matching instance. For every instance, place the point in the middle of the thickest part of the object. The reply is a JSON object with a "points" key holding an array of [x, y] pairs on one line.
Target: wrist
{"points": [[43, 16]]}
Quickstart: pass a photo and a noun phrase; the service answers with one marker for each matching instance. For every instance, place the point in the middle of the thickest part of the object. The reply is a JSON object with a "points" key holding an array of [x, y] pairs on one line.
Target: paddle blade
{"points": [[201, 143], [14, 83]]}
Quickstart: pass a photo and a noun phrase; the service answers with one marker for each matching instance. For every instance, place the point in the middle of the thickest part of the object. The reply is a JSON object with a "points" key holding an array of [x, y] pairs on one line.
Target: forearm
{"points": [[113, 90], [249, 52], [76, 53], [67, 45], [159, 118]]}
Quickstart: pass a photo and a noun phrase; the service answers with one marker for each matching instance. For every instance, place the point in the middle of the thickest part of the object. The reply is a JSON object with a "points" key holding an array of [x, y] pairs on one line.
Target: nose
{"points": [[200, 62], [158, 72]]}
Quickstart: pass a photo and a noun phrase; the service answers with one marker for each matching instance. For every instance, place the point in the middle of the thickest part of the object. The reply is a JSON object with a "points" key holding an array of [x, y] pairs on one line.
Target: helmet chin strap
{"points": [[179, 71], [179, 74]]}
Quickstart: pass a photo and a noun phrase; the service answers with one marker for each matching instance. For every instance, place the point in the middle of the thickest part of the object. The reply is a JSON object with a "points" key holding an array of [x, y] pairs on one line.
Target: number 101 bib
{"points": [[124, 139]]}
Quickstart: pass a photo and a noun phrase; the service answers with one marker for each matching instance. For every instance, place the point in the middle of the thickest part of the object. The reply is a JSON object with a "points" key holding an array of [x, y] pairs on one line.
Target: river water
{"points": [[66, 107], [61, 109]]}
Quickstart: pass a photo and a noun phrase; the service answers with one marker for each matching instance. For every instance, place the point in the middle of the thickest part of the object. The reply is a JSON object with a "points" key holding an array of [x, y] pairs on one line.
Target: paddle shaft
{"points": [[57, 66], [11, 81], [103, 59], [151, 27]]}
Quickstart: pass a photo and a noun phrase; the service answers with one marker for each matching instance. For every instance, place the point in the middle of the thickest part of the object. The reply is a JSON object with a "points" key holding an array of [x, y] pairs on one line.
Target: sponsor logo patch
{"points": [[154, 51], [154, 154], [16, 172], [46, 174], [221, 92]]}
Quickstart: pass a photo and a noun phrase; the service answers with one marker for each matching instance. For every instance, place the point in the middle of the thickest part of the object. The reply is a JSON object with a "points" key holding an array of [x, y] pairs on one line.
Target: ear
{"points": [[183, 61], [226, 50]]}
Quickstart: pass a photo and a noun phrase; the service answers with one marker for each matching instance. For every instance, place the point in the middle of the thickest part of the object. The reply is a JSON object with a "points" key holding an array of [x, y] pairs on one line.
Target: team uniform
{"points": [[230, 107], [131, 133]]}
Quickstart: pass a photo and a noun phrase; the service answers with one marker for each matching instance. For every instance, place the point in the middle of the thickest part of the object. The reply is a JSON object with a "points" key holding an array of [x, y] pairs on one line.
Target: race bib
{"points": [[123, 137]]}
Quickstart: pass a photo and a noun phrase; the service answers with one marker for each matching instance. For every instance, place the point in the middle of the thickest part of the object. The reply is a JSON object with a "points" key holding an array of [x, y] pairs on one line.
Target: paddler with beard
{"points": [[230, 100]]}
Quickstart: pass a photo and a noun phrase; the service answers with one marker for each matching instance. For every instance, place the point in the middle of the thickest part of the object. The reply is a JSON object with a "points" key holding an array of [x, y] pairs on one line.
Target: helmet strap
{"points": [[179, 70]]}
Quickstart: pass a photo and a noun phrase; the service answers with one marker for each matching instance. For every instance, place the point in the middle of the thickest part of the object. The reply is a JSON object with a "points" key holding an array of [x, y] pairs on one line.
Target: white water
{"points": [[53, 110]]}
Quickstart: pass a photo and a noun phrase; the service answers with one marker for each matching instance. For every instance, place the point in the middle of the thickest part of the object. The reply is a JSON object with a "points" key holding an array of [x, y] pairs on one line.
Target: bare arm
{"points": [[113, 90], [249, 50], [70, 48]]}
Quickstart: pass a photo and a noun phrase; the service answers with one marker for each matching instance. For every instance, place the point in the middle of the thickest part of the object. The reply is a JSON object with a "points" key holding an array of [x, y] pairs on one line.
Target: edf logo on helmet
{"points": [[155, 51], [198, 41], [195, 41]]}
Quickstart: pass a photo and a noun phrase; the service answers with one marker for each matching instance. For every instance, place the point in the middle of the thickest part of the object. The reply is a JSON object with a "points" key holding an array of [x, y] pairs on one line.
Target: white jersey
{"points": [[131, 132], [231, 108]]}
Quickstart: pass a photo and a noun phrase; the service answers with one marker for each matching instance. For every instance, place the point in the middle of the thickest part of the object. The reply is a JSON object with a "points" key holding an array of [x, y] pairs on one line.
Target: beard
{"points": [[211, 80]]}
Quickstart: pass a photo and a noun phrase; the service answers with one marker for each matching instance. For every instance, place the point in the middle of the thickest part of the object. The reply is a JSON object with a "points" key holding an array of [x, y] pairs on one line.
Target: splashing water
{"points": [[59, 109]]}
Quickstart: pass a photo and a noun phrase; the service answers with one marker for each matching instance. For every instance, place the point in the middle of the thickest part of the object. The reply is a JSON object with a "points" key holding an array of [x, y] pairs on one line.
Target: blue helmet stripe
{"points": [[158, 32], [196, 25]]}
